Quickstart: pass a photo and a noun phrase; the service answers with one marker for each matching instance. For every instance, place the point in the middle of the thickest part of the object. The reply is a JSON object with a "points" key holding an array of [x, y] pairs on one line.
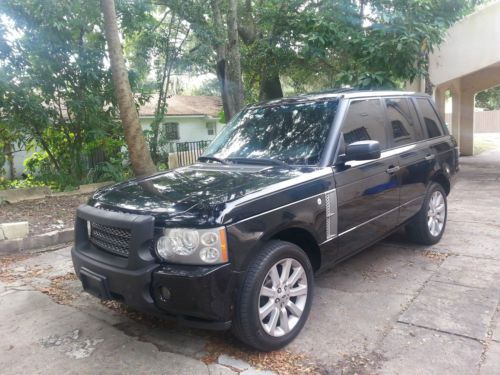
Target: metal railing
{"points": [[186, 153]]}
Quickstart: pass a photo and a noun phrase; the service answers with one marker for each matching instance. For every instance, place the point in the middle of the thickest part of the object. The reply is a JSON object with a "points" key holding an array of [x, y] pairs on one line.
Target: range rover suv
{"points": [[288, 188]]}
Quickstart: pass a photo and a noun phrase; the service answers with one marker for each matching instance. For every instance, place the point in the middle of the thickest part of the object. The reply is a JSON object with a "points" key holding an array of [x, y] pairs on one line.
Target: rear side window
{"points": [[402, 121], [364, 121], [431, 120]]}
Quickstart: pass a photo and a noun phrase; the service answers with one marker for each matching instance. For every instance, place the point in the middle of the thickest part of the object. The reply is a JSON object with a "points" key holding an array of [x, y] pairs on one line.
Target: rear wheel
{"points": [[427, 227], [275, 298]]}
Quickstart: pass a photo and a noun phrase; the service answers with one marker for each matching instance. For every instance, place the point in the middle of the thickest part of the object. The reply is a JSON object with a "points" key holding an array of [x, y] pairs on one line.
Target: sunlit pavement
{"points": [[396, 308]]}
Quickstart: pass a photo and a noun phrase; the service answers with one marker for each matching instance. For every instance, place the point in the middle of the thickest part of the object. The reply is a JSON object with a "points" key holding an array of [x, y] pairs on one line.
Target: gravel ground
{"points": [[44, 215]]}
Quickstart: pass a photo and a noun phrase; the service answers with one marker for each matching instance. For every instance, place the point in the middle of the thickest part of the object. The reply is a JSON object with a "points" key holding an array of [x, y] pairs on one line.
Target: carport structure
{"points": [[467, 62]]}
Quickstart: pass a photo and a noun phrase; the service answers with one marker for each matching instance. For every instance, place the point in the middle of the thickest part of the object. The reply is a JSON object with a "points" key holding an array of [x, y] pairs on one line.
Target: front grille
{"points": [[111, 239]]}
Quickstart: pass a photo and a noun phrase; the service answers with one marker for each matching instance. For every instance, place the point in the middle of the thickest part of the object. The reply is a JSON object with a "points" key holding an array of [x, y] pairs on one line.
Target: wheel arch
{"points": [[303, 239], [444, 181]]}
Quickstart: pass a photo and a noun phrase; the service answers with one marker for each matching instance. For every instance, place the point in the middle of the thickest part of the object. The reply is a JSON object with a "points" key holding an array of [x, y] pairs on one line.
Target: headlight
{"points": [[193, 246]]}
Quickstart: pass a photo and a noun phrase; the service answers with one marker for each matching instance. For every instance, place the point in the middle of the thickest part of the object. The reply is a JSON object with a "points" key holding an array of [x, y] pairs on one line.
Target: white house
{"points": [[188, 118]]}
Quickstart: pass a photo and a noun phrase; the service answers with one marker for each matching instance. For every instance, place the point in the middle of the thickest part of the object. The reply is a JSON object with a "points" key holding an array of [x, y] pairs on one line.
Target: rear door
{"points": [[414, 157], [439, 142], [367, 191]]}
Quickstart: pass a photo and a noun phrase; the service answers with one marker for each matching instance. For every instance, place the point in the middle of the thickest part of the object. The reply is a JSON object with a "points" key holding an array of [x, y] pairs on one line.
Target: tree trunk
{"points": [[227, 104], [234, 80], [9, 155], [270, 86], [429, 87], [140, 157], [222, 63]]}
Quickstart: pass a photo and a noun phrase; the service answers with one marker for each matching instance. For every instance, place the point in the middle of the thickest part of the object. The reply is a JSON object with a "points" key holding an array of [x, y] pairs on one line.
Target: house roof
{"points": [[185, 105]]}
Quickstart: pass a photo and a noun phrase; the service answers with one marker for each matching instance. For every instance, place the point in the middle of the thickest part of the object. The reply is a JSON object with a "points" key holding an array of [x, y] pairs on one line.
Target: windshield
{"points": [[292, 133]]}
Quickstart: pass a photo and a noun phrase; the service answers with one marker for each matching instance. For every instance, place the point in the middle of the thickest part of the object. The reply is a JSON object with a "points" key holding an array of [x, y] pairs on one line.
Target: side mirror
{"points": [[362, 150]]}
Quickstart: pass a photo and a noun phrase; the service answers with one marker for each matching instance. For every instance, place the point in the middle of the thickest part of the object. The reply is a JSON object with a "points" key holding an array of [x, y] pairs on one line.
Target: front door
{"points": [[367, 191]]}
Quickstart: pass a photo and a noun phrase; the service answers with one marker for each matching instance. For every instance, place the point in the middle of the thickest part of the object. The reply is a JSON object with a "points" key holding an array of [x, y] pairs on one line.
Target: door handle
{"points": [[430, 157], [392, 170]]}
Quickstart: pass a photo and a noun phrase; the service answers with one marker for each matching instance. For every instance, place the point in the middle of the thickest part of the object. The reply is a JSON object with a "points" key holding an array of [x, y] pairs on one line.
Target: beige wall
{"points": [[470, 45]]}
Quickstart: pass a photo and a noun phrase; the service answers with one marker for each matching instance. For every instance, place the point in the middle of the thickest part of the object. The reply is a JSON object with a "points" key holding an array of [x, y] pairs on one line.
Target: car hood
{"points": [[195, 195]]}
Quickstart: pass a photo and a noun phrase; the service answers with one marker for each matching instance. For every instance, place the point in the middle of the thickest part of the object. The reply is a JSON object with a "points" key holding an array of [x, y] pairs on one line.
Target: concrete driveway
{"points": [[396, 308]]}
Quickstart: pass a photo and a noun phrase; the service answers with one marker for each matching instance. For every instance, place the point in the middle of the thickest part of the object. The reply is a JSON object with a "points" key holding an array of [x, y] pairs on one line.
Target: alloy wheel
{"points": [[436, 214], [283, 296]]}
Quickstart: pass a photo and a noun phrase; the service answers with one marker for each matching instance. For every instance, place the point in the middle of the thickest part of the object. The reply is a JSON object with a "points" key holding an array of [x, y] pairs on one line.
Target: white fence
{"points": [[484, 121]]}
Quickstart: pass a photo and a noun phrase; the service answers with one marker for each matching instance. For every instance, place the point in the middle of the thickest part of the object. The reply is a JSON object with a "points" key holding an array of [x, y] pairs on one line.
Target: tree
{"points": [[215, 25], [226, 45], [140, 157], [55, 90], [160, 46], [489, 99]]}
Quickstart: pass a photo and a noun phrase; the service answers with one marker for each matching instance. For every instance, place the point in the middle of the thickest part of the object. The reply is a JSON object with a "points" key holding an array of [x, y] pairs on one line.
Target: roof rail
{"points": [[337, 90]]}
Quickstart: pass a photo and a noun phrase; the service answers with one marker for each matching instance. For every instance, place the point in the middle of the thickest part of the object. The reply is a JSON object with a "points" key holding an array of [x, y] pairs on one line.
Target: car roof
{"points": [[337, 94]]}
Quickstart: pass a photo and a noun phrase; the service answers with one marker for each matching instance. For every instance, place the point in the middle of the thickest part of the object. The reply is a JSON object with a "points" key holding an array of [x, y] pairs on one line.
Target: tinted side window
{"points": [[402, 125], [365, 121], [431, 120]]}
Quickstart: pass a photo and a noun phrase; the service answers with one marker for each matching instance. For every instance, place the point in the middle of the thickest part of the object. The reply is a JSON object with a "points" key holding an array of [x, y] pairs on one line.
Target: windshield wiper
{"points": [[211, 158], [262, 161]]}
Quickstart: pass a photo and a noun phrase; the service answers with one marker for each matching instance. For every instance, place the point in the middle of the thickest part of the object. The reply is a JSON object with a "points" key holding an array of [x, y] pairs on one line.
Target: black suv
{"points": [[289, 187]]}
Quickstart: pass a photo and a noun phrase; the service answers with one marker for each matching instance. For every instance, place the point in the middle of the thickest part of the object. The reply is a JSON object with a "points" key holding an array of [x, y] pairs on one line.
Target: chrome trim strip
{"points": [[280, 207], [384, 154], [331, 214], [369, 221]]}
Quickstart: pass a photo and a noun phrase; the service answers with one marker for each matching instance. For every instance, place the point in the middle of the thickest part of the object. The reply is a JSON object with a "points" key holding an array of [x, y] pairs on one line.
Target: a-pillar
{"points": [[466, 123]]}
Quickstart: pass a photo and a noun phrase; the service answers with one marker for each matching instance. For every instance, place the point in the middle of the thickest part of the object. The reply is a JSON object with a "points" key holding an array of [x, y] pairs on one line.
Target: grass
{"points": [[485, 142]]}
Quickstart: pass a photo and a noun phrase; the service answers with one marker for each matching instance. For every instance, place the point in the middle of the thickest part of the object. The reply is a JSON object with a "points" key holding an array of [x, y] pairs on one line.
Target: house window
{"points": [[210, 128], [171, 131]]}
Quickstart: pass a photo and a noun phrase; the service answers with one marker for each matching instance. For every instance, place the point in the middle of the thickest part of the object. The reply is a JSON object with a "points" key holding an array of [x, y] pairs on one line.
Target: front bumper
{"points": [[200, 296]]}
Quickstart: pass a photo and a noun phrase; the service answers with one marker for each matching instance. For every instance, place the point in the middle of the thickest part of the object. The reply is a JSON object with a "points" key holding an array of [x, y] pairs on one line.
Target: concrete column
{"points": [[466, 123], [455, 115], [440, 100]]}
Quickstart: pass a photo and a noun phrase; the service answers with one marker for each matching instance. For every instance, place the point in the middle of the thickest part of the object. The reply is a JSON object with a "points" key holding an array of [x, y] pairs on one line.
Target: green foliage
{"points": [[165, 46], [19, 183], [112, 170], [379, 44], [317, 45], [489, 99], [55, 88]]}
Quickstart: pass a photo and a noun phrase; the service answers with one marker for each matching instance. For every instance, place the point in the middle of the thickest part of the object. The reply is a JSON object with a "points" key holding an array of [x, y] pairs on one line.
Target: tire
{"points": [[274, 299], [428, 226]]}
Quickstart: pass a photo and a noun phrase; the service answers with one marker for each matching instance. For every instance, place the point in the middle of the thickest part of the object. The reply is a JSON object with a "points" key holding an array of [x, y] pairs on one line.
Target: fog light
{"points": [[89, 228], [165, 293]]}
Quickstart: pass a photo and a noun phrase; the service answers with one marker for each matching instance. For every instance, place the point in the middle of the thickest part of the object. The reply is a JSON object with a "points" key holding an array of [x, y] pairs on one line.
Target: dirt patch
{"points": [[57, 290], [6, 261], [9, 273], [359, 364], [282, 362], [435, 255], [44, 215]]}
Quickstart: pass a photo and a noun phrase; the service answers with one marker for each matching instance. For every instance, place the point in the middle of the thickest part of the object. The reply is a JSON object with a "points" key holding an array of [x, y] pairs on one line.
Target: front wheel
{"points": [[427, 227], [275, 298]]}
